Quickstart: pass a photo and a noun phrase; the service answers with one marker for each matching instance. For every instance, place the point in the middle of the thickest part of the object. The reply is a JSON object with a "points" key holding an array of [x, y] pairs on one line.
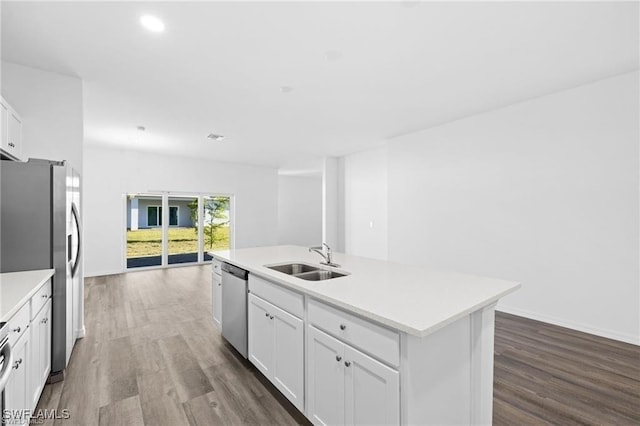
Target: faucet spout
{"points": [[325, 251]]}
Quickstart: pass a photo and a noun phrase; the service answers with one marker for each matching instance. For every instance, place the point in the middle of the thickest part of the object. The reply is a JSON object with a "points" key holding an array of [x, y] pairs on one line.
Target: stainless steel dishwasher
{"points": [[234, 306]]}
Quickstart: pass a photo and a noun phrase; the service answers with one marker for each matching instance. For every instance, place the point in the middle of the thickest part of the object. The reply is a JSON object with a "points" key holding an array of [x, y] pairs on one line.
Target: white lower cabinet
{"points": [[276, 347], [216, 290], [40, 352], [345, 386], [31, 356], [17, 392]]}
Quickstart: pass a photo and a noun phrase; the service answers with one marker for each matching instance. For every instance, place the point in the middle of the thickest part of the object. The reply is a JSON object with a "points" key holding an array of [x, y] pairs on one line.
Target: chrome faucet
{"points": [[325, 251]]}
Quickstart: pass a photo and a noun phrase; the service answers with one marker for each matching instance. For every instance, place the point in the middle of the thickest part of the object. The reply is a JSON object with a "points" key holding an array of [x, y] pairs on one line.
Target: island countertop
{"points": [[16, 288], [407, 298]]}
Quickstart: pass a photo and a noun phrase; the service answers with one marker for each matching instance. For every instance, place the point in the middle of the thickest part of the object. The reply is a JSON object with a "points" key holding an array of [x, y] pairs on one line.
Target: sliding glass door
{"points": [[144, 230], [216, 230], [166, 229], [182, 233]]}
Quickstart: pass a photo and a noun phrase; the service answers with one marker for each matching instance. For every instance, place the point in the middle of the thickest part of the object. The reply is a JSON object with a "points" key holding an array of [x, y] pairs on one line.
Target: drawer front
{"points": [[377, 341], [283, 298], [19, 323], [40, 299], [217, 267]]}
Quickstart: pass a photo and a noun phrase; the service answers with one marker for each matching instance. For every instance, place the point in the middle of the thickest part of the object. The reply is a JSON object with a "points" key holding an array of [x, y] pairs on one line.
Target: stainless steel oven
{"points": [[5, 365]]}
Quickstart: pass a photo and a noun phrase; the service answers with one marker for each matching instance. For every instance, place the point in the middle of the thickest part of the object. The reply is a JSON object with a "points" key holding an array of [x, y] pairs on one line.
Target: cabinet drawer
{"points": [[283, 298], [19, 323], [371, 338], [216, 265], [40, 298]]}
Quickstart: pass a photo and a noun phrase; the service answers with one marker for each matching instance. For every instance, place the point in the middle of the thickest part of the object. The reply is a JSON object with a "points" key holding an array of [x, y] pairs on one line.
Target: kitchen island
{"points": [[386, 343]]}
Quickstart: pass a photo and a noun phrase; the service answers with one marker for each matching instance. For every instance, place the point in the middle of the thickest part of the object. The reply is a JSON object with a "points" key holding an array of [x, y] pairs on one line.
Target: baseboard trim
{"points": [[102, 273], [622, 337], [82, 332]]}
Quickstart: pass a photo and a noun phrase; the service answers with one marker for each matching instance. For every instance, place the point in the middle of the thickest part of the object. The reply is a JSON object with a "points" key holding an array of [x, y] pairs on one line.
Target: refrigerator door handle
{"points": [[76, 262]]}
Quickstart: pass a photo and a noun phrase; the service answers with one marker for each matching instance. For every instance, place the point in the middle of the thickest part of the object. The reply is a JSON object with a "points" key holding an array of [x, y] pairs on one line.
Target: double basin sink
{"points": [[307, 272]]}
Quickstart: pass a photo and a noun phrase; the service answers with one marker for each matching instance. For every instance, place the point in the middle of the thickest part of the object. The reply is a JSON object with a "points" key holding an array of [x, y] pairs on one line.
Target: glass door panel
{"points": [[144, 230], [183, 230], [216, 224]]}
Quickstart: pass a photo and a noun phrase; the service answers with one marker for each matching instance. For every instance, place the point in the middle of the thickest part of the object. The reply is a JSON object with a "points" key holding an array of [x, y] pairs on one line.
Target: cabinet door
{"points": [[325, 375], [217, 300], [260, 334], [17, 392], [40, 353], [372, 391], [288, 358], [14, 135]]}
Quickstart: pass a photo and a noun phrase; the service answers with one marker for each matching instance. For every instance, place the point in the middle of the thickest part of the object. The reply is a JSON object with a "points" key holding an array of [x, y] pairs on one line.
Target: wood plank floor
{"points": [[153, 357]]}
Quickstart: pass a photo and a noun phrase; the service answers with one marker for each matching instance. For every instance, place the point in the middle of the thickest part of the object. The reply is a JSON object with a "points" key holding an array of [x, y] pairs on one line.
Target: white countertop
{"points": [[16, 288], [407, 298]]}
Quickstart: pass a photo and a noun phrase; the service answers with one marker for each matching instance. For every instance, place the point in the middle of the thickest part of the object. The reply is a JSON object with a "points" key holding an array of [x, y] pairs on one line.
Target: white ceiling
{"points": [[360, 72]]}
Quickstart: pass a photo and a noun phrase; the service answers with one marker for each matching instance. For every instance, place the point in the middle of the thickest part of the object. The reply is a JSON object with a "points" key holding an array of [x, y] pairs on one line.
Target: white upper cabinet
{"points": [[11, 131]]}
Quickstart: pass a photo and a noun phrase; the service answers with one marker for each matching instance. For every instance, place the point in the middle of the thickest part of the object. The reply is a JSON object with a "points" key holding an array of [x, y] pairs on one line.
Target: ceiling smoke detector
{"points": [[141, 128], [215, 137]]}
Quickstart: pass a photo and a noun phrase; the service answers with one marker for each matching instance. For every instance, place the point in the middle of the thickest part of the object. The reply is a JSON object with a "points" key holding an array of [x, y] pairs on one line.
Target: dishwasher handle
{"points": [[235, 271]]}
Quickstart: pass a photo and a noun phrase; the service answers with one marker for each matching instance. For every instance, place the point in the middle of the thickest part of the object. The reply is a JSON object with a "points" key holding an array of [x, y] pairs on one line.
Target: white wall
{"points": [[331, 203], [50, 105], [110, 173], [544, 192], [365, 203], [300, 210]]}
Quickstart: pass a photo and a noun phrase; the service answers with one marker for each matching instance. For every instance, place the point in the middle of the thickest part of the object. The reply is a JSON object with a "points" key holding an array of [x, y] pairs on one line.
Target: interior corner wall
{"points": [[544, 192], [364, 212], [51, 107], [112, 173], [300, 210]]}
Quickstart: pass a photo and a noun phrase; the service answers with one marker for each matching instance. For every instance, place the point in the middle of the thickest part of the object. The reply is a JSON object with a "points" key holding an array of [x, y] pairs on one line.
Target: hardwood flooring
{"points": [[545, 374], [153, 357]]}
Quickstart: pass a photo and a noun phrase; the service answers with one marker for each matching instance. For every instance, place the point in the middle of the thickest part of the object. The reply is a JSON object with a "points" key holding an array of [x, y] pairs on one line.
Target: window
{"points": [[173, 215], [154, 216]]}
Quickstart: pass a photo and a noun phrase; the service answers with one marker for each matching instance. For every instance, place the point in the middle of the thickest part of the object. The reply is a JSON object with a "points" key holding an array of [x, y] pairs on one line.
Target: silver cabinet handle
{"points": [[338, 358], [17, 329], [347, 363], [270, 316], [16, 364], [342, 326]]}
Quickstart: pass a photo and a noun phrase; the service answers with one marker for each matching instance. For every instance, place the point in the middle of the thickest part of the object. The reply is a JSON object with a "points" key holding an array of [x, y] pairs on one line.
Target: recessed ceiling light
{"points": [[215, 137], [286, 89], [152, 23]]}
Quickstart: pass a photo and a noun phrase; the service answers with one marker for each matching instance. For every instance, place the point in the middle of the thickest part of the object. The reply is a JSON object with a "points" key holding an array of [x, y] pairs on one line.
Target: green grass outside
{"points": [[148, 242]]}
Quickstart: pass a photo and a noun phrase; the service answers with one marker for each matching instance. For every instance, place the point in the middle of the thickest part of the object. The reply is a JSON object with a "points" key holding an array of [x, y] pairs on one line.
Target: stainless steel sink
{"points": [[320, 275], [293, 268], [307, 272]]}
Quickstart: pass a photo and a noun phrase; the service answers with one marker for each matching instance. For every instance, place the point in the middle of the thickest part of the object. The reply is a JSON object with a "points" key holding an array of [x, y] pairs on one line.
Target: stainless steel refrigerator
{"points": [[40, 228]]}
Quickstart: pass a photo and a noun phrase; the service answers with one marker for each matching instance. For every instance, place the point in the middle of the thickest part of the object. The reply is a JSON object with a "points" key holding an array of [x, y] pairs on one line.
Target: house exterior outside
{"points": [[146, 212]]}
